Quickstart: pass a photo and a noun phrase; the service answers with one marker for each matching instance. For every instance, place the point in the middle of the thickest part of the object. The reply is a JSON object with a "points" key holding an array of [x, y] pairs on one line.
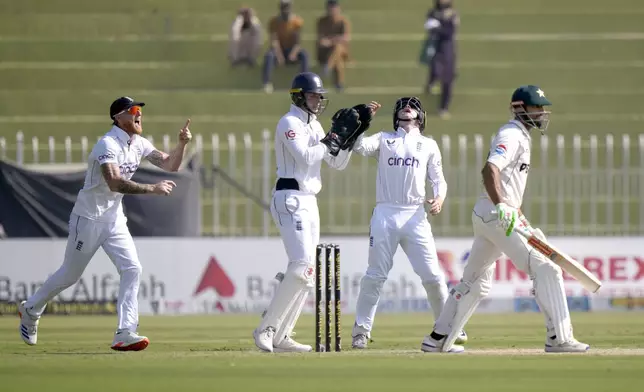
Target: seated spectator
{"points": [[334, 33], [245, 38], [285, 30]]}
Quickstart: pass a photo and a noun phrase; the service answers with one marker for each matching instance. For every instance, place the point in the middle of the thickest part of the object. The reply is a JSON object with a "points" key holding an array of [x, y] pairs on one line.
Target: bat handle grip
{"points": [[521, 230]]}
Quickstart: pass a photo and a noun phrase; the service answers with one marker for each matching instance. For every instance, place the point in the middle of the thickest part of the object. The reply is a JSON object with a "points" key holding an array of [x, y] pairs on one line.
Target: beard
{"points": [[132, 127]]}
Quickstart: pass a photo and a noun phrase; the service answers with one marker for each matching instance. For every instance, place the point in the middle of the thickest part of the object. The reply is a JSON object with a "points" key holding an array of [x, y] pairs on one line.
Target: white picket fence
{"points": [[579, 185]]}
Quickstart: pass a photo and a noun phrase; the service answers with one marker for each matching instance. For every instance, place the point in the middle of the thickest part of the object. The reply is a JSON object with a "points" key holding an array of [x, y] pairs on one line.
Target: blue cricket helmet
{"points": [[308, 82]]}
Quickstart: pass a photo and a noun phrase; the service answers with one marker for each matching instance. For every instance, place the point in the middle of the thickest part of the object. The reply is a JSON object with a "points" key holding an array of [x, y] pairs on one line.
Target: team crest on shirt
{"points": [[419, 146], [500, 149]]}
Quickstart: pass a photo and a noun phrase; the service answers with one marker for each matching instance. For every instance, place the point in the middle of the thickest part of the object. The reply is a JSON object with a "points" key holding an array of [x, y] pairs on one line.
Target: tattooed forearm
{"points": [[157, 158], [132, 188], [175, 158], [112, 176]]}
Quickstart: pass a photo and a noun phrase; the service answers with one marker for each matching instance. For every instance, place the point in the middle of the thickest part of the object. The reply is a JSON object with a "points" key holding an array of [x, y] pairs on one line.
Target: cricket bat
{"points": [[567, 263]]}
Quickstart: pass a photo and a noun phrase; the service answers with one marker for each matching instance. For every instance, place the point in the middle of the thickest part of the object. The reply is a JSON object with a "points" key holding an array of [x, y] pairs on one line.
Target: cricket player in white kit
{"points": [[97, 220], [406, 160], [300, 148], [494, 217]]}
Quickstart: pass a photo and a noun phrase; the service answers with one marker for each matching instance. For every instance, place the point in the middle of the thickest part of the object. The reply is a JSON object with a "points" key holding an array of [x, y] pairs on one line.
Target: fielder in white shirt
{"points": [[300, 148], [406, 160], [494, 217], [97, 220]]}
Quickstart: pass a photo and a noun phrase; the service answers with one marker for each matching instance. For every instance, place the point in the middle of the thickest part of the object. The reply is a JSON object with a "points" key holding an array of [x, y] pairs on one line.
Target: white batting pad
{"points": [[436, 295], [551, 297], [286, 327], [550, 327], [299, 276], [467, 298]]}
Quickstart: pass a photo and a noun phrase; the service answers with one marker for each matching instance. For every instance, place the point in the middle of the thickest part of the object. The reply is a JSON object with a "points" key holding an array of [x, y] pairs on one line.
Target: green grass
{"points": [[217, 353]]}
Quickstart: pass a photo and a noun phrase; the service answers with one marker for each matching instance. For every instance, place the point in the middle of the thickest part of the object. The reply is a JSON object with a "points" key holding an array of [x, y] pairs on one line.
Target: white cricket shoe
{"points": [[289, 345], [360, 341], [461, 338], [431, 345], [129, 341], [28, 325], [264, 339], [571, 346]]}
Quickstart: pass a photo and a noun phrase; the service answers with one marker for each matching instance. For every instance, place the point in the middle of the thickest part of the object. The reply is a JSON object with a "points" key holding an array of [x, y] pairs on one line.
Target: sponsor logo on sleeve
{"points": [[106, 156], [500, 149], [290, 134]]}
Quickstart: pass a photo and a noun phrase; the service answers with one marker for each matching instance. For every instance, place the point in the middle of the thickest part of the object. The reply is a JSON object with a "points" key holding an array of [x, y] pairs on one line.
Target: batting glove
{"points": [[507, 217]]}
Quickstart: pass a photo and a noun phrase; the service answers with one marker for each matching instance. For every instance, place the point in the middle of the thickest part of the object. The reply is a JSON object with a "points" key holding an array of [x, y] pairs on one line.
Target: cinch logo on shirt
{"points": [[103, 157], [393, 161], [128, 168]]}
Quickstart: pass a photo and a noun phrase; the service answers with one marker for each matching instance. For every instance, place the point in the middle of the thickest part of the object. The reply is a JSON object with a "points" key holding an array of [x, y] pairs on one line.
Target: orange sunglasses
{"points": [[134, 110]]}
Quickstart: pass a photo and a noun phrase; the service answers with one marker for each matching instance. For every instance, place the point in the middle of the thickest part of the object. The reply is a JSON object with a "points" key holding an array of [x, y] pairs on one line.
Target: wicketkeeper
{"points": [[300, 148], [406, 160], [494, 218]]}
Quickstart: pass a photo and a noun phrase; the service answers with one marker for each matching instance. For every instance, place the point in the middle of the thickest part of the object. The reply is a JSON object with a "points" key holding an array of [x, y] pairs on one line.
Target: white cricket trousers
{"points": [[297, 217], [392, 225], [490, 242], [85, 237]]}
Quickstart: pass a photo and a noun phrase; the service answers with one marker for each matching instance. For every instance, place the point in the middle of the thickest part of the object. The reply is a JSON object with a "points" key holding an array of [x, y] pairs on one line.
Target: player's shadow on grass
{"points": [[222, 349], [71, 353]]}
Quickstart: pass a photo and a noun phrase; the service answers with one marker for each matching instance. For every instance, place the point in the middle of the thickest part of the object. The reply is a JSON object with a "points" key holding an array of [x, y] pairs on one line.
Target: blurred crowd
{"points": [[333, 35]]}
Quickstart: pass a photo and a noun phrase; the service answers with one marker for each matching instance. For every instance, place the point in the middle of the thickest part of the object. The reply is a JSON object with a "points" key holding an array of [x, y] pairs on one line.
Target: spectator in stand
{"points": [[285, 35], [333, 35], [442, 22], [245, 38]]}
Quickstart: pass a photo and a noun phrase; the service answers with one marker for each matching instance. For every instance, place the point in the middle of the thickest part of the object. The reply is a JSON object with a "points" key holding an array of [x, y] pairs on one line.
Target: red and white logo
{"points": [[501, 149], [290, 134], [216, 278], [308, 273]]}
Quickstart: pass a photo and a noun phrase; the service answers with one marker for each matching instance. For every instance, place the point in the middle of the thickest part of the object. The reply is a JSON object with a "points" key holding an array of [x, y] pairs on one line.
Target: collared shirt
{"points": [[510, 152], [299, 153], [96, 201], [405, 162], [287, 31]]}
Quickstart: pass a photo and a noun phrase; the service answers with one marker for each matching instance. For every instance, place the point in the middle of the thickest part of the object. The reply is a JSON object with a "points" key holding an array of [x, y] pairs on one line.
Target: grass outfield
{"points": [[61, 64], [207, 353]]}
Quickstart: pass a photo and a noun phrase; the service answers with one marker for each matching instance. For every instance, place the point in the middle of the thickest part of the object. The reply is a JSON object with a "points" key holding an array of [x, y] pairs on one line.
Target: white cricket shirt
{"points": [[96, 201], [299, 153], [510, 152], [405, 162]]}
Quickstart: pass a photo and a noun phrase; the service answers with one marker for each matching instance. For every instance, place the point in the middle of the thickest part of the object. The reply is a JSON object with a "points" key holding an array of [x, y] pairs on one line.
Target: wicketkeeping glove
{"points": [[346, 123], [365, 116]]}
